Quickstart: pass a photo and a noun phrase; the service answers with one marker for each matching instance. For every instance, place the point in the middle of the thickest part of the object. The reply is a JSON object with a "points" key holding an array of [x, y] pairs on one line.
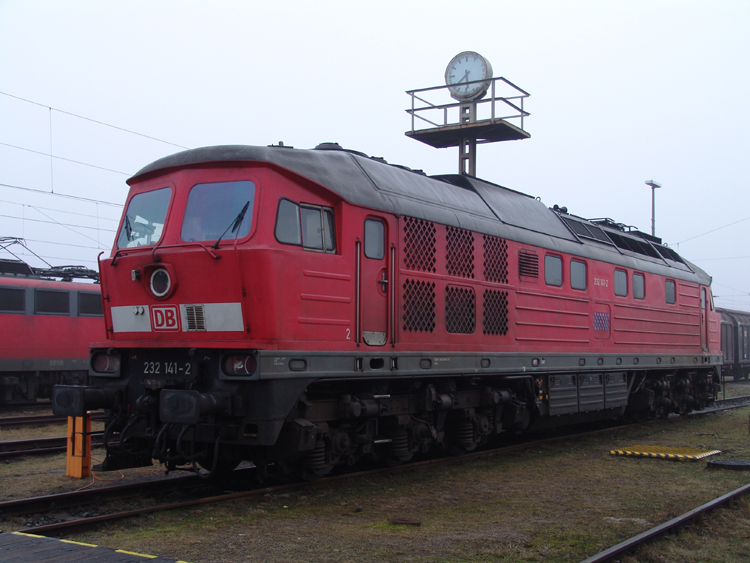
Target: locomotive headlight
{"points": [[240, 364], [161, 283], [105, 363]]}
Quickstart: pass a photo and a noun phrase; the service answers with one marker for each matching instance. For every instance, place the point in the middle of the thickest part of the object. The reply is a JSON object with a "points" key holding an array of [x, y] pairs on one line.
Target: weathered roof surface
{"points": [[458, 201], [450, 200]]}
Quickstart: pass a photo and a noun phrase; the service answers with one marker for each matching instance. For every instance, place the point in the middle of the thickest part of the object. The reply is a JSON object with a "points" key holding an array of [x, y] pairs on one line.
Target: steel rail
{"points": [[74, 499], [640, 539], [39, 446], [42, 419], [24, 420]]}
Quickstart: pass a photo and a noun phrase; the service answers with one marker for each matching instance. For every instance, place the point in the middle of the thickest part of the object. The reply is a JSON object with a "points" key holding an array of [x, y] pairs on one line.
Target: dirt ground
{"points": [[546, 502]]}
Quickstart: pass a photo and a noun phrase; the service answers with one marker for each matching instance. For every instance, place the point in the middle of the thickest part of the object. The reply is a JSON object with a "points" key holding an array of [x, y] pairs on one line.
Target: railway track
{"points": [[628, 546], [40, 419], [85, 508], [41, 446]]}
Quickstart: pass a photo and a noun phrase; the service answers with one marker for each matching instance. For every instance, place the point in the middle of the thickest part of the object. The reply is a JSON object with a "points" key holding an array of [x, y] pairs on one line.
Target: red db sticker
{"points": [[165, 318]]}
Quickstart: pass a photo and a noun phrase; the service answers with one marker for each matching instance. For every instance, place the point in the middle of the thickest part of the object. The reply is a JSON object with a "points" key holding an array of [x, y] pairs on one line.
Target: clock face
{"points": [[464, 69]]}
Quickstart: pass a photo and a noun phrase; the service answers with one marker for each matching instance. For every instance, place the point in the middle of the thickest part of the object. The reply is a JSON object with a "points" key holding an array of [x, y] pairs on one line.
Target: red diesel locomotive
{"points": [[46, 325], [308, 308]]}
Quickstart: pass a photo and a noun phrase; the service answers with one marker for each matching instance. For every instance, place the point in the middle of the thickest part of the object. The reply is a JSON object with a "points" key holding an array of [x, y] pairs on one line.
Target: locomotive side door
{"points": [[374, 282]]}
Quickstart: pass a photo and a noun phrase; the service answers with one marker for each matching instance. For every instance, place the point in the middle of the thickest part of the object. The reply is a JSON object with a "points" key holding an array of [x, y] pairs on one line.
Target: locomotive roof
{"points": [[455, 200]]}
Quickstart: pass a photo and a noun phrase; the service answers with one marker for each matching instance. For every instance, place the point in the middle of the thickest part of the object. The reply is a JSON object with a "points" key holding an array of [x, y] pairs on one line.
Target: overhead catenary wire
{"points": [[713, 230], [45, 192], [94, 120], [65, 159], [60, 211], [53, 222]]}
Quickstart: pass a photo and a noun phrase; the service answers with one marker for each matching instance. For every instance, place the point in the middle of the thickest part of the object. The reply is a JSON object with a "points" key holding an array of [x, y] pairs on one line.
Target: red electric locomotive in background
{"points": [[46, 324], [308, 308]]}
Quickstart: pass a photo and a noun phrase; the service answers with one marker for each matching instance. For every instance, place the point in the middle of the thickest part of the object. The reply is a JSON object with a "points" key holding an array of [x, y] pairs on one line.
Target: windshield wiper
{"points": [[128, 229], [234, 225]]}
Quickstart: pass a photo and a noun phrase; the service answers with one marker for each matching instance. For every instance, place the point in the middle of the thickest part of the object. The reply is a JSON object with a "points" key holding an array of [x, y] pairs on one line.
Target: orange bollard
{"points": [[78, 463]]}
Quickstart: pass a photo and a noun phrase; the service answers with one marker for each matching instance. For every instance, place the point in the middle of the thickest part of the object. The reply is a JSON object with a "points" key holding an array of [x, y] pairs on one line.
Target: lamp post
{"points": [[653, 186]]}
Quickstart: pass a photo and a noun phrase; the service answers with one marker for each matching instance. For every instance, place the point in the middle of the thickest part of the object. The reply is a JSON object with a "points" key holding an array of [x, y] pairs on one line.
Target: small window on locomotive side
{"points": [[374, 239], [312, 227], [553, 270], [309, 226], [288, 229], [12, 300], [90, 304], [48, 302], [317, 228], [329, 230], [578, 275], [639, 286], [669, 292], [621, 283]]}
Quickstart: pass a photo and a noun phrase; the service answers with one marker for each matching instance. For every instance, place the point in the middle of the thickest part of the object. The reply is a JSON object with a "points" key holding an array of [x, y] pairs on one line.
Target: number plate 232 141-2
{"points": [[167, 368]]}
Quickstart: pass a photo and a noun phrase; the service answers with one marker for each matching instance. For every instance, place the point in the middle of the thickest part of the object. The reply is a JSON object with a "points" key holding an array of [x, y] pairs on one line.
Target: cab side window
{"points": [[669, 292], [578, 275], [309, 226], [621, 283], [639, 286], [553, 270], [374, 239]]}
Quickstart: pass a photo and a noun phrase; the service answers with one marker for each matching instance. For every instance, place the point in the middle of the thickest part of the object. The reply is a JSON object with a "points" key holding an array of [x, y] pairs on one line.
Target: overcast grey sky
{"points": [[621, 93]]}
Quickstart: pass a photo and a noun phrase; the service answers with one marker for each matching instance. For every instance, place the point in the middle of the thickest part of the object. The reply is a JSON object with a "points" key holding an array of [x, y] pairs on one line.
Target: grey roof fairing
{"points": [[458, 201]]}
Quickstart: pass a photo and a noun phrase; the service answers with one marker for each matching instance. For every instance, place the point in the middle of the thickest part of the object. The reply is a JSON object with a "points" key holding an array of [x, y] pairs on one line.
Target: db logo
{"points": [[165, 317]]}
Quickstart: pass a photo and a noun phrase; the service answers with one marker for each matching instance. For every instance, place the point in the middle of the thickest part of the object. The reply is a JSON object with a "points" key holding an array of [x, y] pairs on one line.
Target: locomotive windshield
{"points": [[216, 209], [144, 219]]}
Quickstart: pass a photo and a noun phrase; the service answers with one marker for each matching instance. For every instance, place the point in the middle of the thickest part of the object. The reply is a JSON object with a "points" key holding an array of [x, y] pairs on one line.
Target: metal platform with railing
{"points": [[497, 117]]}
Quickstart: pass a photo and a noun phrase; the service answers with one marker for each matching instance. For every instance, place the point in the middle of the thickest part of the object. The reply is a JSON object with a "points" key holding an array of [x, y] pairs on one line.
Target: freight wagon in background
{"points": [[735, 343], [304, 309], [47, 321]]}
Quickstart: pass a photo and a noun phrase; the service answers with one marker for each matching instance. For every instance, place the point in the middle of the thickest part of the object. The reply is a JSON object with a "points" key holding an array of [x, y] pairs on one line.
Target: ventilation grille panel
{"points": [[459, 246], [419, 306], [528, 264], [419, 245], [460, 310], [495, 313], [495, 259], [196, 319]]}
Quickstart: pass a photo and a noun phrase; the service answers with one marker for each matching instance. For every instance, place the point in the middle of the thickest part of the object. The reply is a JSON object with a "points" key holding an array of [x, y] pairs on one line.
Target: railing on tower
{"points": [[504, 101]]}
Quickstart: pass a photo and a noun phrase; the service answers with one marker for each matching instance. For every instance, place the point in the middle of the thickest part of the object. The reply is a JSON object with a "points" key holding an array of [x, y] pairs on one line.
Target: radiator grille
{"points": [[459, 252], [419, 306], [419, 245], [460, 310], [495, 259], [495, 313]]}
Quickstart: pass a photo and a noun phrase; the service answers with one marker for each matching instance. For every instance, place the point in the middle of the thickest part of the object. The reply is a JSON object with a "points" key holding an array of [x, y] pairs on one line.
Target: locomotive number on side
{"points": [[601, 281], [166, 368]]}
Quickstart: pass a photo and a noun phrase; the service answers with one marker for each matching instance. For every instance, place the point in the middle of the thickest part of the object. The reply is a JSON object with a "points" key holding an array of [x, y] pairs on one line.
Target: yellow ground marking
{"points": [[665, 452]]}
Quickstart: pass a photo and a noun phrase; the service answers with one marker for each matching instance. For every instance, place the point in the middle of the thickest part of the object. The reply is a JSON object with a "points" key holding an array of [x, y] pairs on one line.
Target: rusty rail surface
{"points": [[636, 541]]}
